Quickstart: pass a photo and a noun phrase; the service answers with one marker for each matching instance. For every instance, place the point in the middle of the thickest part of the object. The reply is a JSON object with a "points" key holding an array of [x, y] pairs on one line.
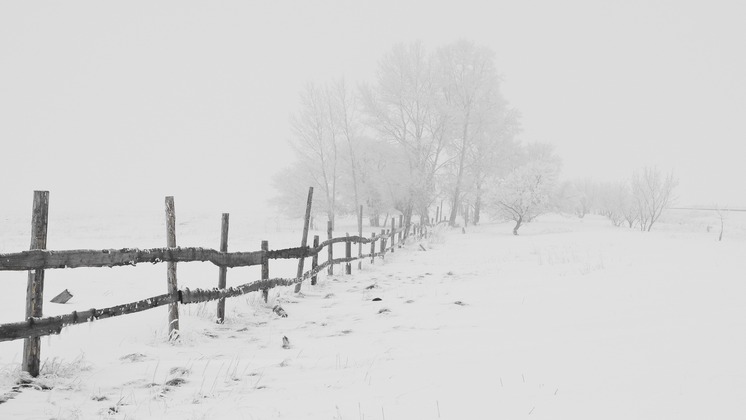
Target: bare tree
{"points": [[315, 142], [343, 114], [526, 192], [652, 193], [586, 196], [471, 89], [403, 109], [493, 153]]}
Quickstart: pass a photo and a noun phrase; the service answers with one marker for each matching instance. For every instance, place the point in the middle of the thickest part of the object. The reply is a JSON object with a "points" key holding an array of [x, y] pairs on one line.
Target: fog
{"points": [[112, 106]]}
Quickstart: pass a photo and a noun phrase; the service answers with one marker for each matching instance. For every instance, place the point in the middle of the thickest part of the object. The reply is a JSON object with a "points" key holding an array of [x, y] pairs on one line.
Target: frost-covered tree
{"points": [[405, 110], [614, 200], [586, 196], [652, 193], [526, 192], [470, 85]]}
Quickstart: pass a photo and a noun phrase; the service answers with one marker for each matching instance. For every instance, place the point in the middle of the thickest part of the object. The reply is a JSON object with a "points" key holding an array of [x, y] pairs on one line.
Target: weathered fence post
{"points": [[35, 287], [304, 239], [315, 259], [223, 271], [265, 269], [360, 234], [348, 254], [393, 234], [437, 214], [330, 247], [401, 229], [372, 247], [383, 243], [173, 288]]}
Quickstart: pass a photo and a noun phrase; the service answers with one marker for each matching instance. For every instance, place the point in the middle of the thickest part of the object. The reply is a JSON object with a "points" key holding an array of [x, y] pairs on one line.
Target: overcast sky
{"points": [[118, 104]]}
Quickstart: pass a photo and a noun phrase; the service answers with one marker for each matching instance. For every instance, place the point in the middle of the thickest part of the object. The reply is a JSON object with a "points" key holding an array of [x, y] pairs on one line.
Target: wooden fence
{"points": [[38, 259]]}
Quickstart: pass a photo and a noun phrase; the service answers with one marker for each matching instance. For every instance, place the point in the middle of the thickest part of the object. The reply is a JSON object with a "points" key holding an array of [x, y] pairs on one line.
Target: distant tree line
{"points": [[636, 203], [433, 128]]}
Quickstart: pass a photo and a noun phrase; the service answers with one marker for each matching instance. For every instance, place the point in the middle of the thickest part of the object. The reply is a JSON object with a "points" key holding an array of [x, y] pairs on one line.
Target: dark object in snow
{"points": [[372, 286], [384, 310], [175, 382], [330, 295], [285, 342], [377, 299], [459, 303], [422, 247], [463, 230], [279, 311], [62, 297]]}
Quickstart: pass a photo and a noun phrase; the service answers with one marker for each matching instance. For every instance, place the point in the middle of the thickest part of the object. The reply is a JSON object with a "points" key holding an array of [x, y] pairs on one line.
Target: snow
{"points": [[571, 319]]}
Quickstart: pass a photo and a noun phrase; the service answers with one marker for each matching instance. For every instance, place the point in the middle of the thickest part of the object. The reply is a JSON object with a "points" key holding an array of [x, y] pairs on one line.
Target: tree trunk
{"points": [[375, 220], [459, 175], [477, 207], [517, 225], [424, 215]]}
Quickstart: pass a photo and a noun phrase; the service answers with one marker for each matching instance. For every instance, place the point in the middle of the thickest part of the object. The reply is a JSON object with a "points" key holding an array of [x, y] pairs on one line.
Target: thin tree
{"points": [[403, 109], [470, 83], [652, 194], [315, 142]]}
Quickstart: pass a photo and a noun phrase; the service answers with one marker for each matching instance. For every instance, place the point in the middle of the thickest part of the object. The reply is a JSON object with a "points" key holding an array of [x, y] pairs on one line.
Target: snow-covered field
{"points": [[574, 319]]}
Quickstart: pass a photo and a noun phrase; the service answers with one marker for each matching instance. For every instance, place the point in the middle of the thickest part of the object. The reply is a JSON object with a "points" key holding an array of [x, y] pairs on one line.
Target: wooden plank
{"points": [[265, 269], [360, 234], [393, 234], [383, 243], [35, 287], [401, 230], [36, 327], [348, 255], [372, 247], [315, 259], [44, 259], [331, 247], [173, 287], [304, 238], [223, 271]]}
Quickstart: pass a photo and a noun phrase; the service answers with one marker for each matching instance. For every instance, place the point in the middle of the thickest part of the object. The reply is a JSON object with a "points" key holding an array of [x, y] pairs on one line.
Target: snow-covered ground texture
{"points": [[573, 319]]}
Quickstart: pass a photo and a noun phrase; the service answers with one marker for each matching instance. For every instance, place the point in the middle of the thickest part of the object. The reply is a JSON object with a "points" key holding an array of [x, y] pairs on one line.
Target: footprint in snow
{"points": [[133, 357]]}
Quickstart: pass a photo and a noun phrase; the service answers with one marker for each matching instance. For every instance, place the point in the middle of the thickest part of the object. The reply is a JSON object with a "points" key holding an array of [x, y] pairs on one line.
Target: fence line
{"points": [[37, 260]]}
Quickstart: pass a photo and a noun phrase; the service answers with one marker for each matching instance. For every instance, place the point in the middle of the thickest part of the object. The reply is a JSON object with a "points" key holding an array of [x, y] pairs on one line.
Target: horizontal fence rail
{"points": [[36, 327], [35, 261]]}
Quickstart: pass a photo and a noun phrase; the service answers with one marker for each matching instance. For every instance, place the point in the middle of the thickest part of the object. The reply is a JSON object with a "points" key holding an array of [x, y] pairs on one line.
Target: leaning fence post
{"points": [[348, 254], [330, 247], [304, 239], [315, 259], [173, 288], [223, 271], [360, 234], [265, 269], [35, 287], [372, 247]]}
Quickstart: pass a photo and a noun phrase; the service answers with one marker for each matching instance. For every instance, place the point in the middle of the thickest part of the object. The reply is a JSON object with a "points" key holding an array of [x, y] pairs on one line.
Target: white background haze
{"points": [[116, 105]]}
